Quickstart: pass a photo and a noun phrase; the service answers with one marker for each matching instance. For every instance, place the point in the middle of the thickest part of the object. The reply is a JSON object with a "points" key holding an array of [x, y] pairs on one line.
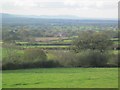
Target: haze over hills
{"points": [[7, 15], [12, 18]]}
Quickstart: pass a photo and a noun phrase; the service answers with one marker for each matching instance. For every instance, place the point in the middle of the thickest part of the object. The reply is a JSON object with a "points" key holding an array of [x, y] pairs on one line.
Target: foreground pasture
{"points": [[61, 78]]}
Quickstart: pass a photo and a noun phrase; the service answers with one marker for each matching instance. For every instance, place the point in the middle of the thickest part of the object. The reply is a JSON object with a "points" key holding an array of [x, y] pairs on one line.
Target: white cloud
{"points": [[92, 4], [82, 8], [26, 3]]}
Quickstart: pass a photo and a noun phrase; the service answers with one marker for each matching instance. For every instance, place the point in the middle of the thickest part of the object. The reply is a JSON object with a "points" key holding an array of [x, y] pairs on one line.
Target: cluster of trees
{"points": [[29, 32], [88, 59], [90, 49], [95, 41], [29, 58], [36, 58]]}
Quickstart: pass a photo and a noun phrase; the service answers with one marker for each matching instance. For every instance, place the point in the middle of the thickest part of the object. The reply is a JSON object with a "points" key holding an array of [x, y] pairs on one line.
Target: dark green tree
{"points": [[90, 40]]}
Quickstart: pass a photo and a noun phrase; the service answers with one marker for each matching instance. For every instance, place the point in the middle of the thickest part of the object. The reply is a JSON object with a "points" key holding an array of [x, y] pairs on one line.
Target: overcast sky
{"points": [[81, 8]]}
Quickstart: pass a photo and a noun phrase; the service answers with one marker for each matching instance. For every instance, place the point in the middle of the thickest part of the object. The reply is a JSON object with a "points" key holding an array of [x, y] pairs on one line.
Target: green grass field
{"points": [[46, 46], [61, 78]]}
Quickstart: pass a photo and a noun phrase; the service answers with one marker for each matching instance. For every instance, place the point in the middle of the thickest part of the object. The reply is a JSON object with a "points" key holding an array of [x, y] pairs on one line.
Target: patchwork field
{"points": [[61, 78]]}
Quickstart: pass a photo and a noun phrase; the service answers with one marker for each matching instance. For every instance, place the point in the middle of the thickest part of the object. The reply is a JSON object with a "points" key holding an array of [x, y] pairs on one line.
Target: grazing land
{"points": [[61, 78]]}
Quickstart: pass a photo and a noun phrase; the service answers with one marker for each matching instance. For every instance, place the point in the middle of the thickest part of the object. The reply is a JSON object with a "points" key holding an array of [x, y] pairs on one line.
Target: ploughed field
{"points": [[61, 78]]}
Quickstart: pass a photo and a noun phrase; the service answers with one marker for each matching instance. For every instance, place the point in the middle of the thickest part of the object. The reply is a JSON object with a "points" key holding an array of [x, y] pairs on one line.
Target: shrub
{"points": [[31, 58], [92, 59], [11, 61], [34, 55], [36, 58], [114, 59], [66, 59], [50, 64]]}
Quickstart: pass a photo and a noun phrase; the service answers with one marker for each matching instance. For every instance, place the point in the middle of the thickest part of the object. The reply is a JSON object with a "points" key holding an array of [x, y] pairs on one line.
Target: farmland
{"points": [[61, 78], [56, 43], [60, 51], [51, 53]]}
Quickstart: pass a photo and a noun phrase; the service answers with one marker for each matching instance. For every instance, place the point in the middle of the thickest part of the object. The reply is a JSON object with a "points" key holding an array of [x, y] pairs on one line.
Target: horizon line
{"points": [[74, 16]]}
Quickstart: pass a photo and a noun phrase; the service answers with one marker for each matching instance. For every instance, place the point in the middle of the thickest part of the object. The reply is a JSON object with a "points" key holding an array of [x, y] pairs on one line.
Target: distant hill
{"points": [[31, 19], [5, 15]]}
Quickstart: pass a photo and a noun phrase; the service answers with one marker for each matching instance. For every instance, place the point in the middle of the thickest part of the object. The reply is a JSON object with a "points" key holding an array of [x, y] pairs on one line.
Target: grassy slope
{"points": [[0, 67], [61, 78], [0, 54]]}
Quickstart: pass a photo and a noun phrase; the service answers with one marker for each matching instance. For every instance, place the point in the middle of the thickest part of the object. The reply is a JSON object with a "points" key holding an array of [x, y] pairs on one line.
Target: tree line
{"points": [[90, 49]]}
